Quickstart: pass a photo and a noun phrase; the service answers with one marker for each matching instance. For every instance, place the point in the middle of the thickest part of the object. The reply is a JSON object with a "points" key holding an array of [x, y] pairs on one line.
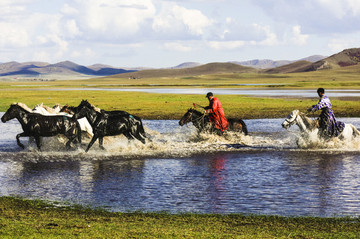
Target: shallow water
{"points": [[228, 91], [179, 171]]}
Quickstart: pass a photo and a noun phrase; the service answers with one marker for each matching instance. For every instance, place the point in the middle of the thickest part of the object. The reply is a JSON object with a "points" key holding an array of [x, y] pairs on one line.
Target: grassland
{"points": [[172, 106], [36, 219]]}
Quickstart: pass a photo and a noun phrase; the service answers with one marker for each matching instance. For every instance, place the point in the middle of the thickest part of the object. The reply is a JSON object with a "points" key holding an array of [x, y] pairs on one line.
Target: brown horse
{"points": [[202, 122]]}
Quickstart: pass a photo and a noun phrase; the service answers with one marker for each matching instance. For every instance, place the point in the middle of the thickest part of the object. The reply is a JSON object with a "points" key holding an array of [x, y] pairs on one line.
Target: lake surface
{"points": [[179, 171], [227, 91]]}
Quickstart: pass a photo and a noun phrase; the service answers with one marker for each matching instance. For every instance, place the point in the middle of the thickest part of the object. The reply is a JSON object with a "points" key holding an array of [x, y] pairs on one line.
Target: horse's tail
{"points": [[244, 127]]}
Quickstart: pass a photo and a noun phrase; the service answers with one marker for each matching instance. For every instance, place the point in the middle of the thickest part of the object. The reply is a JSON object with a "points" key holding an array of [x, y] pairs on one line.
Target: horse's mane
{"points": [[22, 105], [57, 105], [308, 122], [195, 111], [47, 108], [91, 105]]}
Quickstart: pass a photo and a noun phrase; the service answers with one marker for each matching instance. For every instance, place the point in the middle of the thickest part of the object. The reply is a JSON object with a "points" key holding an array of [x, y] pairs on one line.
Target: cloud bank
{"points": [[130, 31]]}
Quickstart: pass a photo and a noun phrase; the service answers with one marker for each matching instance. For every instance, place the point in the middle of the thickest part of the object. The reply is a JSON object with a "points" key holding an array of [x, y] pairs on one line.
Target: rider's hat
{"points": [[209, 94]]}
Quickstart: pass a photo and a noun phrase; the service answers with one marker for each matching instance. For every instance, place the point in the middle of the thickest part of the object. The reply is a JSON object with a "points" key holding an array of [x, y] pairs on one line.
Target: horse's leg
{"points": [[128, 135], [139, 137], [18, 139], [38, 142], [93, 139], [72, 138], [78, 132], [138, 133], [101, 141]]}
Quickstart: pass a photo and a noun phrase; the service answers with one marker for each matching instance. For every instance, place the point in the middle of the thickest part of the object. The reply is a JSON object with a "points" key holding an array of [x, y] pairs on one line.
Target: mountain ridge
{"points": [[38, 69], [35, 69]]}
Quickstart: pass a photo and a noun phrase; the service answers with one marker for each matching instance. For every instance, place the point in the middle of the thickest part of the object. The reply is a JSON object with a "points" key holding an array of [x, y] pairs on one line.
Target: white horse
{"points": [[310, 126], [45, 110]]}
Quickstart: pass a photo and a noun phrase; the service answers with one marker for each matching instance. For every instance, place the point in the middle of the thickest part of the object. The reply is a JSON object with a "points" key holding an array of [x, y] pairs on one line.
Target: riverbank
{"points": [[20, 218], [174, 106]]}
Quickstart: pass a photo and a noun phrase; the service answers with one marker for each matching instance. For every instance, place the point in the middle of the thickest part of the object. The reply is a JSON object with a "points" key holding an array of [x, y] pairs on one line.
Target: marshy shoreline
{"points": [[23, 218]]}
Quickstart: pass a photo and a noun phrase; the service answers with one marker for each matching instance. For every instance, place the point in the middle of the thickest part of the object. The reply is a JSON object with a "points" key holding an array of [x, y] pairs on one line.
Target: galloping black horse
{"points": [[37, 125], [202, 122], [110, 123]]}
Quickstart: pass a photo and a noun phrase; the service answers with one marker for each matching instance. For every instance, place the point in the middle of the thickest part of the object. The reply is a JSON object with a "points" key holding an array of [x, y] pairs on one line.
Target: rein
{"points": [[291, 122], [200, 118]]}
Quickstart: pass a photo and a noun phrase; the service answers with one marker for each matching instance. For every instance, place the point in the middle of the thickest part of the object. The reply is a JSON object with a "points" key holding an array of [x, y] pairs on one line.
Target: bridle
{"points": [[189, 118], [291, 122]]}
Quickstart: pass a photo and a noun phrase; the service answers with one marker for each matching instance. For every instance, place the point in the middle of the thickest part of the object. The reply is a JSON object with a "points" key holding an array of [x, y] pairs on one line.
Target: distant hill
{"points": [[297, 66], [186, 65], [348, 57], [65, 68], [211, 68], [267, 64], [262, 64], [68, 69]]}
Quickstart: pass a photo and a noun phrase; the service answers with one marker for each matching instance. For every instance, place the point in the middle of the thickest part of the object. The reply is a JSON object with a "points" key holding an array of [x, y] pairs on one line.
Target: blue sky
{"points": [[159, 33]]}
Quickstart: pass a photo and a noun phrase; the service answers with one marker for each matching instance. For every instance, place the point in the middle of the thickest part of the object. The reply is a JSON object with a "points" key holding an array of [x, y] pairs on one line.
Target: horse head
{"points": [[88, 111], [57, 108], [40, 109], [12, 112], [85, 103], [68, 109], [291, 119], [187, 117]]}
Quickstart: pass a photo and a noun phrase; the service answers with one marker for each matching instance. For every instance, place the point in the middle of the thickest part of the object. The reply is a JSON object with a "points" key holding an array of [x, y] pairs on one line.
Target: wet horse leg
{"points": [[38, 142], [18, 139], [139, 137], [72, 139], [101, 141], [93, 139]]}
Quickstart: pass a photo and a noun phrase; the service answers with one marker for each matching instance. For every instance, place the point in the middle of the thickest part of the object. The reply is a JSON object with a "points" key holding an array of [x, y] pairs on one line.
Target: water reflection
{"points": [[270, 177], [282, 183]]}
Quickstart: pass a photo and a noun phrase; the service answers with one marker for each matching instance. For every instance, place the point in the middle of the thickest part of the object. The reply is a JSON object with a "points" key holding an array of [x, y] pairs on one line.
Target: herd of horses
{"points": [[96, 123]]}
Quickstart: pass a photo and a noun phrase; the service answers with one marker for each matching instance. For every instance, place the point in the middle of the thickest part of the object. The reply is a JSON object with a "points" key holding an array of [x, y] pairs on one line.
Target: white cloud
{"points": [[72, 28], [124, 29], [110, 19], [315, 16], [226, 45], [298, 38], [14, 35], [341, 8], [177, 21], [176, 46], [87, 52], [340, 43], [271, 38], [69, 10]]}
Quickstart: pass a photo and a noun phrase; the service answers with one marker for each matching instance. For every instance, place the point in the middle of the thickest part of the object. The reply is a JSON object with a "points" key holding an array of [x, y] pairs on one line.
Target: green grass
{"points": [[21, 218], [173, 106]]}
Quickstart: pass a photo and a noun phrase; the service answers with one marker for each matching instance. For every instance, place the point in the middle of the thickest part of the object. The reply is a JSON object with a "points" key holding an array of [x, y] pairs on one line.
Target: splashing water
{"points": [[167, 139], [313, 141]]}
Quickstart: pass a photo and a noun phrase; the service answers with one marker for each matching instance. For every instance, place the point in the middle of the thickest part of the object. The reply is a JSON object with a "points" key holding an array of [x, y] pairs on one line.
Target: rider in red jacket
{"points": [[216, 113]]}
